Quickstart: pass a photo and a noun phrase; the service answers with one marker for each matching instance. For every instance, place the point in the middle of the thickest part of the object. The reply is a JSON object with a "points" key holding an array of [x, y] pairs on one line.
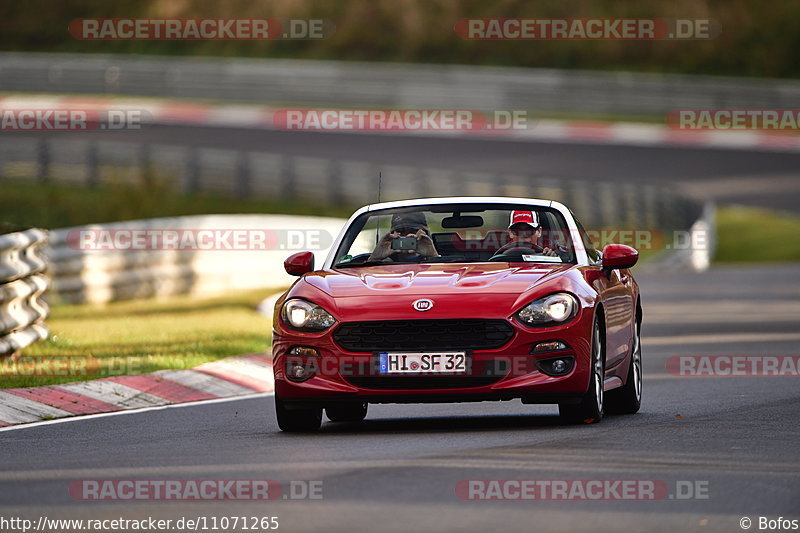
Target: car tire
{"points": [[347, 412], [297, 420], [627, 400], [590, 408]]}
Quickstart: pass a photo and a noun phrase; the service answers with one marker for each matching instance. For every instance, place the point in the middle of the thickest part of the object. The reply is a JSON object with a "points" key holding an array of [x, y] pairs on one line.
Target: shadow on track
{"points": [[445, 424]]}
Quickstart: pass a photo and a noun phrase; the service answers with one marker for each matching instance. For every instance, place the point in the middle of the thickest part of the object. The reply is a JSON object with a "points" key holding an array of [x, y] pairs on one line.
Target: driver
{"points": [[524, 232], [406, 225]]}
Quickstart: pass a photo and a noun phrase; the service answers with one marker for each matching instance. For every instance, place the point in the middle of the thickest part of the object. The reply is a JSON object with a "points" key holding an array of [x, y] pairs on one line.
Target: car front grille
{"points": [[415, 335]]}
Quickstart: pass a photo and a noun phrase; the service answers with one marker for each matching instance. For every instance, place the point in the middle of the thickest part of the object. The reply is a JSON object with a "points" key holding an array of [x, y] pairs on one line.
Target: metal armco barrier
{"points": [[695, 252], [314, 83], [320, 181], [22, 283]]}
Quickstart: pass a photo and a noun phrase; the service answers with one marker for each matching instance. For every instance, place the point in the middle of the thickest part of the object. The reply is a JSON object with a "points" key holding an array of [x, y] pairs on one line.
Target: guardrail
{"points": [[696, 251], [22, 283], [315, 83], [321, 181], [83, 272]]}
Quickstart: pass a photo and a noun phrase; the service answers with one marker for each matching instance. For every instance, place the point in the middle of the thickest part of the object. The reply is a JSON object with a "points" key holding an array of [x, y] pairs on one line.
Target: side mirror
{"points": [[619, 256], [299, 263]]}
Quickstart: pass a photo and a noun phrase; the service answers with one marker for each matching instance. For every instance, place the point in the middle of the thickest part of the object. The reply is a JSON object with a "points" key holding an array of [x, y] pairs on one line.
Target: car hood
{"points": [[434, 279]]}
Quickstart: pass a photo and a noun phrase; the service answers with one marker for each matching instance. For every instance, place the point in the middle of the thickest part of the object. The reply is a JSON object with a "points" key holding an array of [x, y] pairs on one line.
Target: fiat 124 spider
{"points": [[457, 300]]}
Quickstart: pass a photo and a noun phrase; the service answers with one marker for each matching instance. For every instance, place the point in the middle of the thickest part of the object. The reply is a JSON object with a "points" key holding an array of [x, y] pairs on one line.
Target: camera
{"points": [[404, 243]]}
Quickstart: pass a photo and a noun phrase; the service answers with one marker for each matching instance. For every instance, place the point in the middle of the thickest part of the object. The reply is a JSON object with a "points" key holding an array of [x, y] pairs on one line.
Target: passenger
{"points": [[406, 225]]}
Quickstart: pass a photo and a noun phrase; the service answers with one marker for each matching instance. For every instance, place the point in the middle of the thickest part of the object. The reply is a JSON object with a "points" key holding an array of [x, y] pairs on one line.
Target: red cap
{"points": [[524, 217]]}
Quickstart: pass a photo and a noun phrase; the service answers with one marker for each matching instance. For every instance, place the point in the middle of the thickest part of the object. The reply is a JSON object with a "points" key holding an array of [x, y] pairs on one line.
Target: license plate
{"points": [[423, 363]]}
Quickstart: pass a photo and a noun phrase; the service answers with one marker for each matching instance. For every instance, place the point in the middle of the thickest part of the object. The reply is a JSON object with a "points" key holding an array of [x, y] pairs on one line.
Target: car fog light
{"points": [[557, 366], [297, 372], [301, 363]]}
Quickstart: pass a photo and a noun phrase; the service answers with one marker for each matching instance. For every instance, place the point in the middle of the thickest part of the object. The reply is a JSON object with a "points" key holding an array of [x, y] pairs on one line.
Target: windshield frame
{"points": [[479, 204]]}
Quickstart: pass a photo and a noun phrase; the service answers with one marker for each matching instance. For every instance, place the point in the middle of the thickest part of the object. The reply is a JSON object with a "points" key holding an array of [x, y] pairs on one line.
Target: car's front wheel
{"points": [[297, 420], [590, 409], [347, 412], [627, 399]]}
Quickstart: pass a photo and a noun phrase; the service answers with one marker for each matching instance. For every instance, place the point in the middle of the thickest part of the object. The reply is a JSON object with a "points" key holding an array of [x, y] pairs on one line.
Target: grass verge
{"points": [[751, 235], [54, 205], [137, 337]]}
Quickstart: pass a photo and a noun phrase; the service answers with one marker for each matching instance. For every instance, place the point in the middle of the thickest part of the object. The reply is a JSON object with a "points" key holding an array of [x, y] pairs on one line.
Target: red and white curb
{"points": [[177, 112], [234, 376]]}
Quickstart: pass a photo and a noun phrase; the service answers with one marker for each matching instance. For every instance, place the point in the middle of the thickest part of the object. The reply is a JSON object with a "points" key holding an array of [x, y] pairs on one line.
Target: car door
{"points": [[616, 295], [615, 292]]}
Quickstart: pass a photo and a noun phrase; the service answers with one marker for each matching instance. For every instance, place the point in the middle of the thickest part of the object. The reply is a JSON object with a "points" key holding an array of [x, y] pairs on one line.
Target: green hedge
{"points": [[50, 205], [758, 39]]}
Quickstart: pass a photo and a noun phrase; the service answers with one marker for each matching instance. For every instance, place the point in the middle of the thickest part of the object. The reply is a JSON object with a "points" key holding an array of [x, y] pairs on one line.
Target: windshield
{"points": [[456, 233]]}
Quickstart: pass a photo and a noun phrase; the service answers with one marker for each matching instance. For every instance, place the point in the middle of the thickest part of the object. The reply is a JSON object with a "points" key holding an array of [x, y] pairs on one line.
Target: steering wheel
{"points": [[360, 258], [513, 255]]}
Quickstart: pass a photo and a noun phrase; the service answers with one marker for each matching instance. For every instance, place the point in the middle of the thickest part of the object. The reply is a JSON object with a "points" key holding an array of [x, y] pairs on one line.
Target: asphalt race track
{"points": [[732, 439], [758, 178]]}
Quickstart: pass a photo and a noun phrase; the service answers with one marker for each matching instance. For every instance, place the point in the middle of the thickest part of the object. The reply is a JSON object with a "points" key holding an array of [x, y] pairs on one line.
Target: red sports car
{"points": [[459, 299]]}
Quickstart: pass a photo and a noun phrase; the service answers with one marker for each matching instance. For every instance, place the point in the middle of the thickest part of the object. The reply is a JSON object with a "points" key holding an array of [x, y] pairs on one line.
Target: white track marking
{"points": [[135, 411]]}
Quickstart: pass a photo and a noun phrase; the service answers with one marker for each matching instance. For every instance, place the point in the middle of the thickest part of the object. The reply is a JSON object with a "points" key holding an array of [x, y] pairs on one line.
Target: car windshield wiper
{"points": [[359, 264], [447, 259], [428, 261]]}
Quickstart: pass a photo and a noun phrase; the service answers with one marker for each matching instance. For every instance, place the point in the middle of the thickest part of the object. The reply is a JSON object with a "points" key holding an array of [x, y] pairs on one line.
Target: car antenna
{"points": [[377, 228]]}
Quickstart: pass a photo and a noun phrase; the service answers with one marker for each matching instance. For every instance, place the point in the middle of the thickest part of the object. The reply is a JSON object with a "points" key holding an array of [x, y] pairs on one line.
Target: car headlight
{"points": [[552, 309], [306, 316]]}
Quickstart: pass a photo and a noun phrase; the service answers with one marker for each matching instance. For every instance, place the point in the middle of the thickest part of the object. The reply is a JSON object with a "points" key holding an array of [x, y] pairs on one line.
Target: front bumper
{"points": [[505, 373]]}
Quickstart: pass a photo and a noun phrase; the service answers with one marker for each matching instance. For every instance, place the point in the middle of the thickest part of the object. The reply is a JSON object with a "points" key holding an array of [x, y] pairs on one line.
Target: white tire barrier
{"points": [[81, 273], [22, 283]]}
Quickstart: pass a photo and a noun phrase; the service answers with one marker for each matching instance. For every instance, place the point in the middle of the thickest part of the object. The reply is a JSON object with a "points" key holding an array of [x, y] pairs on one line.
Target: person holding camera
{"points": [[415, 242]]}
